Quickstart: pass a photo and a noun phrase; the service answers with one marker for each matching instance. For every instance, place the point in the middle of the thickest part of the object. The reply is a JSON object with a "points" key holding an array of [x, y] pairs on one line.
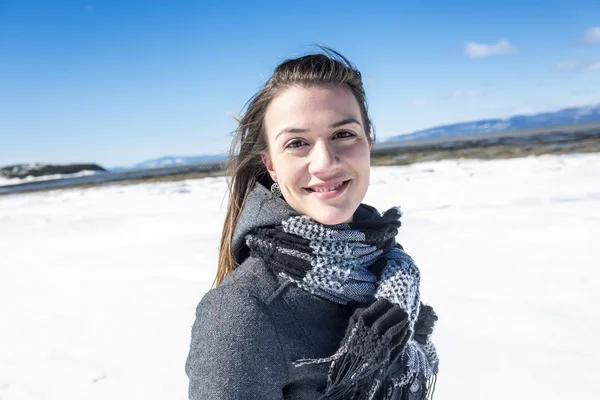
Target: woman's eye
{"points": [[294, 144], [343, 134]]}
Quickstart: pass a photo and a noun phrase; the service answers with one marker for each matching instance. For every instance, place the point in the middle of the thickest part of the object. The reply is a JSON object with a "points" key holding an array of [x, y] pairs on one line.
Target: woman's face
{"points": [[319, 152]]}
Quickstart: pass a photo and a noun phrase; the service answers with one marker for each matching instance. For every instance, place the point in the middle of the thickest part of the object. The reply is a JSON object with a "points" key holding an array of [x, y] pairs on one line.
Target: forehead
{"points": [[311, 107]]}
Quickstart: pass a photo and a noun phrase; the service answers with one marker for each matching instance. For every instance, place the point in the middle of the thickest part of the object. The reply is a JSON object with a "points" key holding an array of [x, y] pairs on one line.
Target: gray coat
{"points": [[251, 328]]}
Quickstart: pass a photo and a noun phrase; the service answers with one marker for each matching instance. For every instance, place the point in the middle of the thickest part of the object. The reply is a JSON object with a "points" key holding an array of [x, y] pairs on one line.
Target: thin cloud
{"points": [[419, 102], [465, 94], [478, 50], [568, 65], [593, 66], [581, 92], [591, 35], [579, 65]]}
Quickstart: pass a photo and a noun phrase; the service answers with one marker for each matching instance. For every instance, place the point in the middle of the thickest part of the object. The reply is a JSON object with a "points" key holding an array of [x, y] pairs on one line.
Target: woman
{"points": [[313, 299]]}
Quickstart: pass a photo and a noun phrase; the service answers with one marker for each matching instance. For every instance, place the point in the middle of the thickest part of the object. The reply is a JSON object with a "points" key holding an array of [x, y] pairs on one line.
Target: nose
{"points": [[324, 160]]}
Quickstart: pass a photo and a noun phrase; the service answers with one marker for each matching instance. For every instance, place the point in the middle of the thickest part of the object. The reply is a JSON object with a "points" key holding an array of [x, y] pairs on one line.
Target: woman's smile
{"points": [[328, 191]]}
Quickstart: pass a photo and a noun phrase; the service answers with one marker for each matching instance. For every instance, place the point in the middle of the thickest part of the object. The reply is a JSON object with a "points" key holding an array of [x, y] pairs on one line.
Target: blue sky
{"points": [[118, 82]]}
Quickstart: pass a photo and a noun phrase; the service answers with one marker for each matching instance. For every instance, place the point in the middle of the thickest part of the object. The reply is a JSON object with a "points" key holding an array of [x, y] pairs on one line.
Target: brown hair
{"points": [[245, 164]]}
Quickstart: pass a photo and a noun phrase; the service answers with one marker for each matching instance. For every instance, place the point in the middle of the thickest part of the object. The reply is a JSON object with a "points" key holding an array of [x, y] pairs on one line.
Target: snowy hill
{"points": [[178, 160], [35, 170], [20, 173], [565, 116], [169, 161]]}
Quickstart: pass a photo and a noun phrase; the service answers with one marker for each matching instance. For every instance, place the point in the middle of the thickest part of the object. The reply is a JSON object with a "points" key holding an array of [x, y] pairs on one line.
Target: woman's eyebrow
{"points": [[344, 122], [334, 125]]}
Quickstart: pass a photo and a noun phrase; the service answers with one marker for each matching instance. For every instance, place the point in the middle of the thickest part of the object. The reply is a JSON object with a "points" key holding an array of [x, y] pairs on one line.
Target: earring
{"points": [[276, 189]]}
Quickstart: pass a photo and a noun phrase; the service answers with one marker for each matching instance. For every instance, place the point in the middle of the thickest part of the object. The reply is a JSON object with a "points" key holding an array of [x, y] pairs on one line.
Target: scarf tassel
{"points": [[430, 387], [355, 370]]}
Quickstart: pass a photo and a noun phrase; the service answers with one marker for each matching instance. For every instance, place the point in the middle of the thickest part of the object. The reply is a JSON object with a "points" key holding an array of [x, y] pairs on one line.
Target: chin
{"points": [[332, 215]]}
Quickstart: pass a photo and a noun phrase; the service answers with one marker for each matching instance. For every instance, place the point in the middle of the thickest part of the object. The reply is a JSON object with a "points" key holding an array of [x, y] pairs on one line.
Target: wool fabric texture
{"points": [[353, 262]]}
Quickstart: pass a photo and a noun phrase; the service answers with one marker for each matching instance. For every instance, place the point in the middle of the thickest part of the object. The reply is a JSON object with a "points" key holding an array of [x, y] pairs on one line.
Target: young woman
{"points": [[314, 299]]}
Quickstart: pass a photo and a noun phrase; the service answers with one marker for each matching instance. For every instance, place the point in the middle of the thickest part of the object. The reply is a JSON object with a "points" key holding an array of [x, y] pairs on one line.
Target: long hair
{"points": [[245, 166]]}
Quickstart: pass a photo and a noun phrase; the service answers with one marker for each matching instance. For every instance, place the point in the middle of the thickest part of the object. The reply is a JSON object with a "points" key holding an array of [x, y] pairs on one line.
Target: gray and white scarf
{"points": [[340, 263]]}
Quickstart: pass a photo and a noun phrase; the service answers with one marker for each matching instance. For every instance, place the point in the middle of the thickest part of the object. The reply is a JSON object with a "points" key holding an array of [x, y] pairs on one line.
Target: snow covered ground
{"points": [[98, 286]]}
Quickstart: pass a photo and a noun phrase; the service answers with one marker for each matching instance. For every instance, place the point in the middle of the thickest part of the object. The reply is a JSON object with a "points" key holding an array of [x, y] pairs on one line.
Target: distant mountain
{"points": [[174, 160], [167, 161], [567, 116]]}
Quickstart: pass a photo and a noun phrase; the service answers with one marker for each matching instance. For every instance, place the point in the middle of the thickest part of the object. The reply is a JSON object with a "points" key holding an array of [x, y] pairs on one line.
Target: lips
{"points": [[326, 188]]}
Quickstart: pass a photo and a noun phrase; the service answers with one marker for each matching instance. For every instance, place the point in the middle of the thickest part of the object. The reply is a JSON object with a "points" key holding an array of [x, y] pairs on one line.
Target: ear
{"points": [[266, 159]]}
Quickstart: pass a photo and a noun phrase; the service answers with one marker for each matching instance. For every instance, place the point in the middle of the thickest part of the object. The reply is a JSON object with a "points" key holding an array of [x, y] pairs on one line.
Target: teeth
{"points": [[323, 190]]}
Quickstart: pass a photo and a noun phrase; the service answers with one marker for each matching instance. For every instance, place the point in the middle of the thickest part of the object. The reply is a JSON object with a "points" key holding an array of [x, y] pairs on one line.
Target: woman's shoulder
{"points": [[234, 335], [250, 284]]}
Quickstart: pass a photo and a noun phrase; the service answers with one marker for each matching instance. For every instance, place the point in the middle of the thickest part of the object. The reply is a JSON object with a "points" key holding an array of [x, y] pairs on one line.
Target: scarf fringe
{"points": [[349, 374], [431, 382]]}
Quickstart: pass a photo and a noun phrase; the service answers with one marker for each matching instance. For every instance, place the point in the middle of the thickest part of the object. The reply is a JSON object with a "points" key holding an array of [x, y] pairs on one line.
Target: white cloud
{"points": [[579, 65], [568, 65], [477, 50], [593, 66], [465, 94], [591, 35]]}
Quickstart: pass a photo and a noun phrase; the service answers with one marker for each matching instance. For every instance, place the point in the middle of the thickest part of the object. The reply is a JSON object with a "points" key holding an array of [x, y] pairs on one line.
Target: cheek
{"points": [[290, 171], [358, 158]]}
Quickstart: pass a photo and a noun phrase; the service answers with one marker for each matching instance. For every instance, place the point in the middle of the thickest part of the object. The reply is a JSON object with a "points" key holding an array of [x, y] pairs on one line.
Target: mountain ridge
{"points": [[565, 116]]}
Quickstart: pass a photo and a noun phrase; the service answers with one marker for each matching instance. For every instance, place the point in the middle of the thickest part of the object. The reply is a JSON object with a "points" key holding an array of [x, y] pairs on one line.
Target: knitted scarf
{"points": [[354, 262]]}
